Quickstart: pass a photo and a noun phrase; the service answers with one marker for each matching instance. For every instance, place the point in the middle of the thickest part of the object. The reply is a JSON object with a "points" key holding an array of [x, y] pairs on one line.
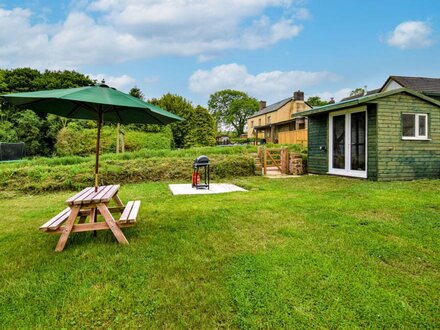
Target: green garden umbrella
{"points": [[98, 102]]}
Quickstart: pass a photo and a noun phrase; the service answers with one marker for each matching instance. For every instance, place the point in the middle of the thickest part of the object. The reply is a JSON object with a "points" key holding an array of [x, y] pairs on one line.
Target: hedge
{"points": [[75, 177], [73, 140]]}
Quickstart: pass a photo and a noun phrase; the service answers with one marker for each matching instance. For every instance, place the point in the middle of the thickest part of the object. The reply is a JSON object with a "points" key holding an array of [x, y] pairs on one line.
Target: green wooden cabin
{"points": [[390, 135]]}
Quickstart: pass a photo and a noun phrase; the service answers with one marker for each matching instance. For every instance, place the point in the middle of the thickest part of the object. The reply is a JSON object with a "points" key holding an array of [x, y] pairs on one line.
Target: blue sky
{"points": [[268, 48]]}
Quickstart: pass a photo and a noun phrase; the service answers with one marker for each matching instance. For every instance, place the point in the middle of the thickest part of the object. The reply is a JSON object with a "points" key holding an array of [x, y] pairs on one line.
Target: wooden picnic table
{"points": [[88, 203]]}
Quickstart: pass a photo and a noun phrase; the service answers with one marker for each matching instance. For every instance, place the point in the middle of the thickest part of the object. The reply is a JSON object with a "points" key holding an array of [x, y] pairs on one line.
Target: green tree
{"points": [[61, 79], [20, 80], [232, 108], [29, 130], [357, 91], [7, 132], [202, 129], [28, 80], [315, 101], [3, 85], [181, 107], [136, 92]]}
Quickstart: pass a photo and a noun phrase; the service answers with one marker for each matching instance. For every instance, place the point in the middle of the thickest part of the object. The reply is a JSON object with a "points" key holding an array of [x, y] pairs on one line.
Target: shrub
{"points": [[74, 140], [39, 178]]}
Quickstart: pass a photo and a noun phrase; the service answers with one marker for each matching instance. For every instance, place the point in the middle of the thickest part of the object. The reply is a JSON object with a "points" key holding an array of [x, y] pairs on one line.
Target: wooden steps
{"points": [[273, 170]]}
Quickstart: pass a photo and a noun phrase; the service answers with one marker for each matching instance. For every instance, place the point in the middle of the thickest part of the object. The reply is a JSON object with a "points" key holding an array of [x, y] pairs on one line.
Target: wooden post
{"points": [[122, 141], [264, 160], [100, 117], [284, 159], [117, 138], [272, 134]]}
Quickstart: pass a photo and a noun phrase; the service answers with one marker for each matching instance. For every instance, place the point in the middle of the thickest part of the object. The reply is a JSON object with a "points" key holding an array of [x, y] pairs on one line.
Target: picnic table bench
{"points": [[87, 204]]}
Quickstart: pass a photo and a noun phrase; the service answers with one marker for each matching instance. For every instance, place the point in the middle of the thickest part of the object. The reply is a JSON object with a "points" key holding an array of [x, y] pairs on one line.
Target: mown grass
{"points": [[309, 252]]}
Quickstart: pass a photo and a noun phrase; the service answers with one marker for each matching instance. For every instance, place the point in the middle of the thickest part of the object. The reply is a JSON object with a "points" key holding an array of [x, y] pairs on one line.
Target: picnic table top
{"points": [[90, 196]]}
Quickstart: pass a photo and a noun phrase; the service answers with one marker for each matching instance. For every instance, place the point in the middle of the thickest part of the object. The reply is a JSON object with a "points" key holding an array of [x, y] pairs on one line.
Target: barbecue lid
{"points": [[201, 160]]}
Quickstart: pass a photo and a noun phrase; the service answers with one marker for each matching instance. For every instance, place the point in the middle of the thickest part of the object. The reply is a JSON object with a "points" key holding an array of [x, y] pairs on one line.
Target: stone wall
{"points": [[296, 164]]}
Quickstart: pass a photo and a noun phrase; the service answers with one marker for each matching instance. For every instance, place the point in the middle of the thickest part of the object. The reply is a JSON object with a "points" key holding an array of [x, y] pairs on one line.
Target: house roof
{"points": [[419, 84], [271, 108], [274, 107], [279, 123], [363, 100], [356, 96]]}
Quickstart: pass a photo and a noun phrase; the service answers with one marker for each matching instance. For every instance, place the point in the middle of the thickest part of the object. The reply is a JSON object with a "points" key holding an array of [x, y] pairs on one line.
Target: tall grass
{"points": [[143, 153], [50, 177]]}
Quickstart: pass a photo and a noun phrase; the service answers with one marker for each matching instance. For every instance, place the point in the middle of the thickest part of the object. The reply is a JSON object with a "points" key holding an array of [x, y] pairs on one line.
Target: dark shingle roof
{"points": [[419, 84], [271, 108]]}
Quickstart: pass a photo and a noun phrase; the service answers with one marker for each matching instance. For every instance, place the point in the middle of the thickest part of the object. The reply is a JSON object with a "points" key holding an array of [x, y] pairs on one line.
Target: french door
{"points": [[348, 144]]}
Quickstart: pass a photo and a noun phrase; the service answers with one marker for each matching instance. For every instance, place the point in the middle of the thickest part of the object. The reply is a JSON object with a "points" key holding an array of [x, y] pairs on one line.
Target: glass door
{"points": [[358, 135], [338, 149], [348, 144]]}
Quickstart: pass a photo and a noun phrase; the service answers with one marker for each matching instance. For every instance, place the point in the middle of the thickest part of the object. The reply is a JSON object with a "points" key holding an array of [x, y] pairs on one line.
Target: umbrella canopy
{"points": [[98, 102], [91, 102]]}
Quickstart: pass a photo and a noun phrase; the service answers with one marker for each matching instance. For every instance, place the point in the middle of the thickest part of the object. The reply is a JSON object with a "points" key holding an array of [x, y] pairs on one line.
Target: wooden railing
{"points": [[293, 137]]}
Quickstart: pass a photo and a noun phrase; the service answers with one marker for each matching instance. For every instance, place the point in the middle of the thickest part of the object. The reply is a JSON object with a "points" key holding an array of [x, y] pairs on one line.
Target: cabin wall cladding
{"points": [[318, 144], [372, 142], [296, 166], [402, 159]]}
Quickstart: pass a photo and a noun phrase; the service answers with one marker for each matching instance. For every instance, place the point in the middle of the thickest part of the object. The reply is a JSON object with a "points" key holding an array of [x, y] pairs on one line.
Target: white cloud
{"points": [[123, 83], [109, 31], [411, 34], [271, 86], [302, 14], [205, 58]]}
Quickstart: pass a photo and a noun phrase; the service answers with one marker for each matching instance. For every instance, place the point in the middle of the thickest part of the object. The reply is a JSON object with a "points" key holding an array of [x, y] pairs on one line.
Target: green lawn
{"points": [[291, 253]]}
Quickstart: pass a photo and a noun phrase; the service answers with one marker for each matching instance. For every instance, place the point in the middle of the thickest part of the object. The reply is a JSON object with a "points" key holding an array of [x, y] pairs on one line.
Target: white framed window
{"points": [[414, 126]]}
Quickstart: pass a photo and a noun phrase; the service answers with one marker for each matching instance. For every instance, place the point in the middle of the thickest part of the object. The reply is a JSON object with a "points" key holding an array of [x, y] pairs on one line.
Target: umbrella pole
{"points": [[97, 151]]}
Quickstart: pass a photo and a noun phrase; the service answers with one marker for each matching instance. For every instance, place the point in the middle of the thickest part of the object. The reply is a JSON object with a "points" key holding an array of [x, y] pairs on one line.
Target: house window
{"points": [[414, 126], [268, 120], [252, 124]]}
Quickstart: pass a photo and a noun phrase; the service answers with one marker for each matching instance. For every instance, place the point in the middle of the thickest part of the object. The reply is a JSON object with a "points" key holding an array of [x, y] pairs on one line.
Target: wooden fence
{"points": [[274, 158], [293, 137]]}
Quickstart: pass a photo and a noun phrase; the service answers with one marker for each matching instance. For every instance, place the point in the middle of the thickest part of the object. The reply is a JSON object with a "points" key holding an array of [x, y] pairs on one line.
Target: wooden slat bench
{"points": [[56, 221], [130, 212]]}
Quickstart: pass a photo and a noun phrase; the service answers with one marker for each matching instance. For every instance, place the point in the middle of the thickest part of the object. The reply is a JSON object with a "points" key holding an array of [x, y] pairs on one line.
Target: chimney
{"points": [[262, 105], [298, 96], [332, 100]]}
